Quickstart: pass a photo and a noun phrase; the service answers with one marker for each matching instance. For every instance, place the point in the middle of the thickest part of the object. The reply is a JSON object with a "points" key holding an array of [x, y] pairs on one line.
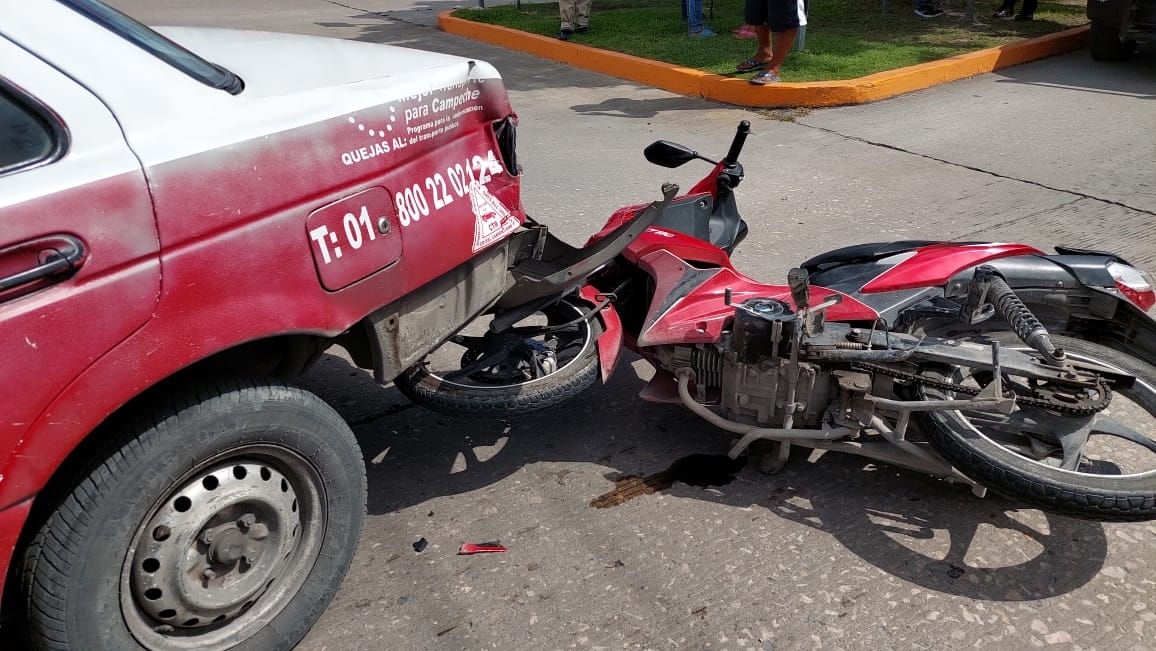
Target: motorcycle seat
{"points": [[862, 253]]}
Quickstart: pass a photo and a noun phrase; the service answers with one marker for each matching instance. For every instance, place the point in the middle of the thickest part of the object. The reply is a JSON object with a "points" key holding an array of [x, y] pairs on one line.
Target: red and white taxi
{"points": [[187, 217]]}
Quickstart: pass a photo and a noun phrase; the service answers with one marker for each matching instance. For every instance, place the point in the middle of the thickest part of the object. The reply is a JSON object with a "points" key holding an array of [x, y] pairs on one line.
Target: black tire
{"points": [[578, 368], [1104, 43], [267, 472], [1098, 490]]}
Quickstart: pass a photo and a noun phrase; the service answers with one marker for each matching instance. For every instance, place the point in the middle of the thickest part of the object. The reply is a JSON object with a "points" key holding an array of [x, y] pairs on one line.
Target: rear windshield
{"points": [[157, 45]]}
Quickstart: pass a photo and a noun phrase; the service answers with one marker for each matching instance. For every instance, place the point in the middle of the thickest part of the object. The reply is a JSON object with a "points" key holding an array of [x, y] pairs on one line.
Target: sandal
{"points": [[764, 78], [750, 65]]}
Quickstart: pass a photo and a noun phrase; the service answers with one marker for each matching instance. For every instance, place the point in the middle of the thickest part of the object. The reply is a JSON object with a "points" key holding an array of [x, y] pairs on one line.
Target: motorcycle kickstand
{"points": [[768, 457]]}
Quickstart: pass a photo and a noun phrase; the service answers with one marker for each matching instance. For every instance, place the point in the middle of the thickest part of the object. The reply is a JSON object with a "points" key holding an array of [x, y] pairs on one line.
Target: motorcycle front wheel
{"points": [[544, 360], [1100, 466]]}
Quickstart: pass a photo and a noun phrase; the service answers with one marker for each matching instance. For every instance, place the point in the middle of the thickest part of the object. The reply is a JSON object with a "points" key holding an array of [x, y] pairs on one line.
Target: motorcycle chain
{"points": [[1083, 407]]}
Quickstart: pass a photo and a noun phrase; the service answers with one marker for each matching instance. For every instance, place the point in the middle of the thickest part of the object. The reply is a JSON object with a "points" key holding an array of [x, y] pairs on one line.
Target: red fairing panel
{"points": [[933, 265], [682, 245], [610, 342], [657, 238], [700, 315], [709, 183]]}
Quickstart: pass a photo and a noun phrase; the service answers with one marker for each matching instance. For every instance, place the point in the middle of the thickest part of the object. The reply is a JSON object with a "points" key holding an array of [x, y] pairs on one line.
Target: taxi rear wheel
{"points": [[1104, 43], [224, 517]]}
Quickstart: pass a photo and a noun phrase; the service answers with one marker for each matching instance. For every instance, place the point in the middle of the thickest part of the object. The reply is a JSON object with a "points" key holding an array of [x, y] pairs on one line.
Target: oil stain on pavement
{"points": [[695, 470]]}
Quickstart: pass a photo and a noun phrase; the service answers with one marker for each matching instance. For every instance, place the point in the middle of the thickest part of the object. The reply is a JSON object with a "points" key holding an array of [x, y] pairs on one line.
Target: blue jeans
{"points": [[694, 22]]}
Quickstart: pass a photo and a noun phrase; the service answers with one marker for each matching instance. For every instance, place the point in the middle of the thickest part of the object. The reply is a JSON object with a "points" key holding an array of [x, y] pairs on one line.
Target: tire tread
{"points": [[1056, 496], [49, 557]]}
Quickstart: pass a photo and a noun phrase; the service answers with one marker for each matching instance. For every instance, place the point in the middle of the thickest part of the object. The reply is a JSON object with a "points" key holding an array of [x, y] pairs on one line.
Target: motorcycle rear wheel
{"points": [[1114, 478], [541, 370]]}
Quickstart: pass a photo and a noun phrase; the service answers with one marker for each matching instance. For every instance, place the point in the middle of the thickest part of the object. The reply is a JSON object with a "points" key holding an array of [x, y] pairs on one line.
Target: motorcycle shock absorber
{"points": [[990, 293]]}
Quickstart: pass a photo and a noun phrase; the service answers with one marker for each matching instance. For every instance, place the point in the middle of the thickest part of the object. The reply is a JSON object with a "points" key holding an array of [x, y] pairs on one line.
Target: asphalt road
{"points": [[832, 552]]}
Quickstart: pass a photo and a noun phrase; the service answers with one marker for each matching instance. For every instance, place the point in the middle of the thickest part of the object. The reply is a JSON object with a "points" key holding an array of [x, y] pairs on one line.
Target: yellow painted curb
{"points": [[688, 81]]}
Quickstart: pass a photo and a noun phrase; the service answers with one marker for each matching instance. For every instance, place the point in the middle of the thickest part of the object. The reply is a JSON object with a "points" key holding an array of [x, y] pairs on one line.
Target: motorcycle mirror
{"points": [[670, 154]]}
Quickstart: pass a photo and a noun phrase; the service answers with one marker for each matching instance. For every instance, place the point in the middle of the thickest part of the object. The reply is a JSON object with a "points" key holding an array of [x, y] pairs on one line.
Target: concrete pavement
{"points": [[832, 553]]}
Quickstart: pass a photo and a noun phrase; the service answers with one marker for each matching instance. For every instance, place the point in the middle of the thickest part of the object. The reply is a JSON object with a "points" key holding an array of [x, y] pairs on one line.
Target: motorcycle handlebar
{"points": [[732, 156]]}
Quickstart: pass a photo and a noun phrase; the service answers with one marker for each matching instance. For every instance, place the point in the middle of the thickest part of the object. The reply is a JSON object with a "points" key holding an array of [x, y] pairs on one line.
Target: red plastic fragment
{"points": [[480, 548]]}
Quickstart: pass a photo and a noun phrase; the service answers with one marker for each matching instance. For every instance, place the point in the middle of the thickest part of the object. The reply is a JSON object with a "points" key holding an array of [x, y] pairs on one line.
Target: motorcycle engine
{"points": [[752, 373]]}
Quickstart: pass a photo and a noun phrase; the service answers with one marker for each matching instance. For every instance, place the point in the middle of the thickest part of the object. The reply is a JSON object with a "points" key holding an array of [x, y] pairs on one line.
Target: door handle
{"points": [[56, 255]]}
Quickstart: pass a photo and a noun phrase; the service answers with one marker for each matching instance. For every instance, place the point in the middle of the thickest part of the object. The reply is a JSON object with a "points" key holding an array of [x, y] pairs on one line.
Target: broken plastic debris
{"points": [[480, 548], [420, 545]]}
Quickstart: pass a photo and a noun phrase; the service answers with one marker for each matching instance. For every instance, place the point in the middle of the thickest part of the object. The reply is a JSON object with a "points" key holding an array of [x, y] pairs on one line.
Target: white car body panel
{"points": [[96, 148], [290, 80]]}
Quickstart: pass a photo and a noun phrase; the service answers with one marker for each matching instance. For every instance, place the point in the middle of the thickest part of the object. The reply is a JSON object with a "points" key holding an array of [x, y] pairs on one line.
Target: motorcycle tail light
{"points": [[1134, 284]]}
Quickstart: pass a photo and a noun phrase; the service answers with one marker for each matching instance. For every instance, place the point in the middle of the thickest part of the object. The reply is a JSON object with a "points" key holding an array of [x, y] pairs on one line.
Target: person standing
{"points": [[776, 22], [1008, 10], [575, 17], [695, 26]]}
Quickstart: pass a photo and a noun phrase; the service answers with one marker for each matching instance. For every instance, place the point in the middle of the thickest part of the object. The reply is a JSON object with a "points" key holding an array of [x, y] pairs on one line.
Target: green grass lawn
{"points": [[845, 38]]}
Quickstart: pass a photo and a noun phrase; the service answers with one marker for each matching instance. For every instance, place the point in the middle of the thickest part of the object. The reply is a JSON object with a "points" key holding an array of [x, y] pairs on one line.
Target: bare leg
{"points": [[782, 46], [763, 34]]}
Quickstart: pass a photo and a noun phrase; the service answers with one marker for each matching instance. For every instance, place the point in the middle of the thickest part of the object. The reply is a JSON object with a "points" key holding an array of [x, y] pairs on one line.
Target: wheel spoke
{"points": [[1071, 433], [1105, 425], [487, 361], [1072, 443]]}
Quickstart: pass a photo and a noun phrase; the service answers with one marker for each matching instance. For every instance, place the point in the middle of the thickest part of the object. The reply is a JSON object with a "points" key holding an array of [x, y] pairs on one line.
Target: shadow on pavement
{"points": [[915, 528], [1133, 78], [627, 107], [929, 533]]}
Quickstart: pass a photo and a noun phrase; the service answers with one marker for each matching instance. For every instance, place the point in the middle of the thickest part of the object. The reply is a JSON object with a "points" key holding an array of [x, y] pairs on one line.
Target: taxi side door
{"points": [[79, 266]]}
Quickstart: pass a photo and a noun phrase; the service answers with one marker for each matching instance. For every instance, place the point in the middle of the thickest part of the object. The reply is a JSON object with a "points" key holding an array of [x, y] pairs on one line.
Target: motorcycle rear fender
{"points": [[1072, 295], [610, 341]]}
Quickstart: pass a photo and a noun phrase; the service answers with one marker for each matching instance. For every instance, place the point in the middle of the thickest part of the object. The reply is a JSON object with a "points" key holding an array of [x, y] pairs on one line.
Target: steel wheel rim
{"points": [[585, 333], [229, 545], [1139, 386]]}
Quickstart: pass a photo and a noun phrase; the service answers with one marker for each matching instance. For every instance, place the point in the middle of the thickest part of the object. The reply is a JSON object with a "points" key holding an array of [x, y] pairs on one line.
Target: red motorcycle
{"points": [[1027, 373]]}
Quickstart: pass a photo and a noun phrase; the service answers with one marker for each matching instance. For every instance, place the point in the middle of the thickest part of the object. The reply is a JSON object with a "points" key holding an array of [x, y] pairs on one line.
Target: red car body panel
{"points": [[62, 329], [934, 265], [196, 255]]}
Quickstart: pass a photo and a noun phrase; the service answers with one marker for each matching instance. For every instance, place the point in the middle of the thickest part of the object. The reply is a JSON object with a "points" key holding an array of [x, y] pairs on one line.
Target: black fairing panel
{"points": [[1021, 272], [697, 216], [689, 215], [1072, 294], [862, 253], [1050, 271]]}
